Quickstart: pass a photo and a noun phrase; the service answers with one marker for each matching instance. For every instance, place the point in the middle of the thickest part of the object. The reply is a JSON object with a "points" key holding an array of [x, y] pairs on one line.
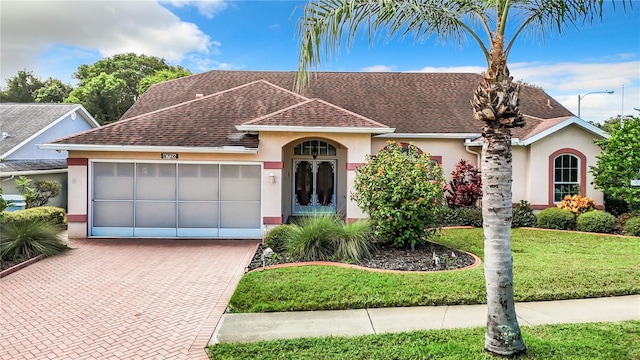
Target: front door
{"points": [[314, 186]]}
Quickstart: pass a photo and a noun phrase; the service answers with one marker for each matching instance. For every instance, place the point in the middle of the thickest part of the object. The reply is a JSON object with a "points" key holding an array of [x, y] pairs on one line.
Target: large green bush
{"points": [[632, 226], [523, 216], [596, 221], [556, 218], [24, 239], [51, 214], [276, 238], [401, 189]]}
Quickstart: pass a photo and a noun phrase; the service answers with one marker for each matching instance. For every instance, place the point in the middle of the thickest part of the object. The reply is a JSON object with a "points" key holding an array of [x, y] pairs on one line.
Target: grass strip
{"points": [[563, 342]]}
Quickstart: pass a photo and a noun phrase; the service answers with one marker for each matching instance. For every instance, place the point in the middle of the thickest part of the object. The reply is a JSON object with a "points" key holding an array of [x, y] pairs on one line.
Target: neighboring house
{"points": [[23, 127], [232, 153]]}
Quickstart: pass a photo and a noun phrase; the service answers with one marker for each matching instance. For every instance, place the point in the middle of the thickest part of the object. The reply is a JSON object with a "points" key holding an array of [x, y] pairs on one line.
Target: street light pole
{"points": [[580, 97]]}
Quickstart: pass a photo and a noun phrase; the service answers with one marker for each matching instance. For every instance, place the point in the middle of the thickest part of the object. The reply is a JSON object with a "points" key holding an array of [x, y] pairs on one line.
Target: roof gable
{"points": [[316, 114], [206, 121], [21, 122]]}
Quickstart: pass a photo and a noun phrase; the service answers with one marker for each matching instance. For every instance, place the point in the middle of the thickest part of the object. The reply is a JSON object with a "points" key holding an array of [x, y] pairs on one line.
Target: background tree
{"points": [[326, 23], [104, 96], [99, 82], [619, 161], [52, 91], [21, 88], [161, 76]]}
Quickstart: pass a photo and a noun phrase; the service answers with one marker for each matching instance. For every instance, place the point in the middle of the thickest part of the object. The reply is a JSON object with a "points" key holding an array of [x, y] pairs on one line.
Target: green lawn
{"points": [[548, 265], [569, 341]]}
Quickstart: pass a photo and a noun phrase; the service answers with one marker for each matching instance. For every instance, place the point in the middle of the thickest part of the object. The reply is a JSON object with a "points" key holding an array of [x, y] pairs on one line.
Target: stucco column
{"points": [[77, 202], [272, 193]]}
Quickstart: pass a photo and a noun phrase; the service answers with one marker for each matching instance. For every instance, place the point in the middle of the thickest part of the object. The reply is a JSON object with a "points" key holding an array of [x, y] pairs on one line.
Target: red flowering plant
{"points": [[401, 190], [465, 186]]}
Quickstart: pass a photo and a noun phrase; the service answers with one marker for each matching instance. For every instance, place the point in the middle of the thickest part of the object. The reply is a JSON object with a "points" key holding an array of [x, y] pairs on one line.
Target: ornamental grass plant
{"points": [[22, 240]]}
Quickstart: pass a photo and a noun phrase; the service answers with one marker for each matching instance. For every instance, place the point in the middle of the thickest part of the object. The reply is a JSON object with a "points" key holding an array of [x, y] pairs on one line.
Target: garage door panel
{"points": [[198, 182], [155, 182], [239, 215], [113, 181], [155, 214], [198, 215], [113, 214]]}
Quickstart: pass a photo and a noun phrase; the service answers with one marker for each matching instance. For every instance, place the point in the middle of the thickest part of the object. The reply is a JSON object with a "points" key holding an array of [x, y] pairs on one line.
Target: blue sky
{"points": [[54, 37]]}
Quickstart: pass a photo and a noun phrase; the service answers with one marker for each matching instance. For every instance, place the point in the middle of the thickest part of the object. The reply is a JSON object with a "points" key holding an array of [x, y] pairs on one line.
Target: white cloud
{"points": [[32, 28], [565, 81], [379, 68], [207, 8]]}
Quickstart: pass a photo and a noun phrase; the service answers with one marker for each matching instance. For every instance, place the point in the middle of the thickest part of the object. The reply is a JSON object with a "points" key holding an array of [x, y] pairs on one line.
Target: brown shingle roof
{"points": [[207, 121], [315, 112], [536, 126], [409, 102]]}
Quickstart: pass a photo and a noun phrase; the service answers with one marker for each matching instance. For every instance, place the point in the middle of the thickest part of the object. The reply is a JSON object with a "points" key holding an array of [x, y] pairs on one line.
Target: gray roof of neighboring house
{"points": [[21, 121], [11, 166]]}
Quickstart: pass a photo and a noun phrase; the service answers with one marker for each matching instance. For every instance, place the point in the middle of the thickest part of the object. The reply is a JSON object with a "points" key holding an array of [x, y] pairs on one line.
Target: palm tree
{"points": [[326, 23]]}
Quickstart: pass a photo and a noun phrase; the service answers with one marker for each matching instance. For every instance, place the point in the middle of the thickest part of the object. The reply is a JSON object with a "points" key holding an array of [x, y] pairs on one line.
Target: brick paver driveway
{"points": [[120, 299]]}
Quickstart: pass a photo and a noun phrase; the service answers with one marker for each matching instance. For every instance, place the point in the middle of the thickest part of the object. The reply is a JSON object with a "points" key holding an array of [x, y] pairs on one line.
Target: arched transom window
{"points": [[314, 148], [566, 179]]}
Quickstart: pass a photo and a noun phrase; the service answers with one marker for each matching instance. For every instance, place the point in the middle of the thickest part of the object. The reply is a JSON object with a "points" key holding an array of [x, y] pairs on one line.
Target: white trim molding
{"points": [[149, 148], [319, 129]]}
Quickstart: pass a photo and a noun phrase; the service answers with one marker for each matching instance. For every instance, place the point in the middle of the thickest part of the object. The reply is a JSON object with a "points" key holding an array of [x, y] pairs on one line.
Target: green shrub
{"points": [[471, 216], [460, 216], [556, 218], [50, 214], [632, 226], [401, 190], [277, 237], [355, 242], [596, 221], [523, 216], [314, 238], [24, 239], [41, 194]]}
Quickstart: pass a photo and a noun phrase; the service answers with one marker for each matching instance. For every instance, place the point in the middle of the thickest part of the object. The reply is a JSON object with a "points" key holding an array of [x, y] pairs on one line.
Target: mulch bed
{"points": [[420, 259]]}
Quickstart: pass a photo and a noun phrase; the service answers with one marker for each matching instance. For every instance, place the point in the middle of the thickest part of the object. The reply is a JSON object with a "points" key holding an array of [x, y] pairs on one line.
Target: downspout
{"points": [[477, 154]]}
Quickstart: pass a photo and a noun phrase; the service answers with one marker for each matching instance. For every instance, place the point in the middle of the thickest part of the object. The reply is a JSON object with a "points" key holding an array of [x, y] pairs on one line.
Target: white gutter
{"points": [[13, 174], [514, 142], [321, 129], [430, 135], [149, 148]]}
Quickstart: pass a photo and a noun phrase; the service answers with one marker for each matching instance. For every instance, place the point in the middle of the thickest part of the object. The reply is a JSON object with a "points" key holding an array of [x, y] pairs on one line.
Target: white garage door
{"points": [[175, 200]]}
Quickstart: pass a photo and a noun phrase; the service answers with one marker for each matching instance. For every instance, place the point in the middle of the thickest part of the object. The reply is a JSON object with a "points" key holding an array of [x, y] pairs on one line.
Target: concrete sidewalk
{"points": [[288, 325]]}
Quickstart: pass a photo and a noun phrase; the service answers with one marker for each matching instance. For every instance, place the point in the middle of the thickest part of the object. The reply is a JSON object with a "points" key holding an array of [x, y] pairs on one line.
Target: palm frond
{"points": [[326, 24]]}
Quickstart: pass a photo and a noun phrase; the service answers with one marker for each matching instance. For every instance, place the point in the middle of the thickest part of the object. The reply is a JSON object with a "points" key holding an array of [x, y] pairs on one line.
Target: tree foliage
{"points": [[465, 186], [109, 87], [21, 88], [401, 190], [52, 91], [619, 161], [161, 76]]}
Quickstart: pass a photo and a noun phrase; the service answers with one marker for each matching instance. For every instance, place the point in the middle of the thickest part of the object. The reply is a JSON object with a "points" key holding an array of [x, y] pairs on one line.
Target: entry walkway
{"points": [[121, 299], [287, 325]]}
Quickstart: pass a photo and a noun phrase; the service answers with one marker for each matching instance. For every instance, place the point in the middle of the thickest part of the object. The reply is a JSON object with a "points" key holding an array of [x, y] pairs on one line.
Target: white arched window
{"points": [[566, 176]]}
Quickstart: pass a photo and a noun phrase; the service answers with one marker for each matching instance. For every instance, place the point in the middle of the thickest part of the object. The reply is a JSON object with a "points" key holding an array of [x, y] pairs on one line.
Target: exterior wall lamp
{"points": [[272, 178]]}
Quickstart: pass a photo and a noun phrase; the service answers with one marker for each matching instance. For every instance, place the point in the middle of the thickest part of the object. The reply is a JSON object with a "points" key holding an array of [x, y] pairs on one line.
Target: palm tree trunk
{"points": [[496, 104], [503, 332]]}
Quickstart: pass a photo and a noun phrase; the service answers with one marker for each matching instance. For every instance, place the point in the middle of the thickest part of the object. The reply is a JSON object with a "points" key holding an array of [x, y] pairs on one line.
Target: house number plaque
{"points": [[169, 156]]}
